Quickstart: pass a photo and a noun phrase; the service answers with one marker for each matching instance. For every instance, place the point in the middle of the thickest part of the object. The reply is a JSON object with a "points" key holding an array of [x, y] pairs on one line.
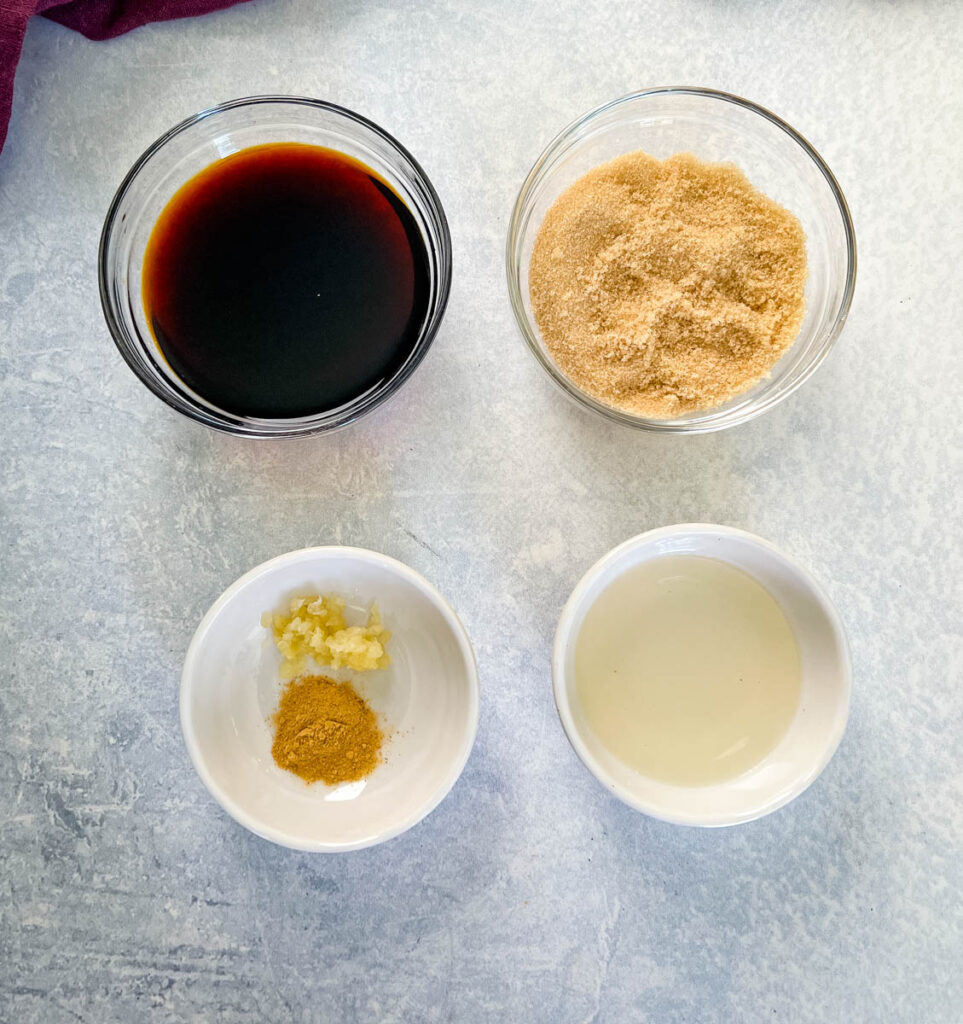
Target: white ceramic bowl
{"points": [[812, 736], [427, 698]]}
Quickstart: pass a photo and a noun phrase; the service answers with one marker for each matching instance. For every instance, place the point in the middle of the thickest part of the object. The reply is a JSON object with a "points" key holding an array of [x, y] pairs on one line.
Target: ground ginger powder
{"points": [[325, 732], [662, 287]]}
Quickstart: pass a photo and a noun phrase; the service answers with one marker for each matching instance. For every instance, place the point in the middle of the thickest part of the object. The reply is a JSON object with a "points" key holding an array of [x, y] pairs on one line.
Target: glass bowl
{"points": [[195, 144], [716, 127]]}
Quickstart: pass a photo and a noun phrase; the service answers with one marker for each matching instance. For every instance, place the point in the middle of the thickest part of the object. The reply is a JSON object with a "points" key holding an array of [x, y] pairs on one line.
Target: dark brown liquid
{"points": [[285, 280]]}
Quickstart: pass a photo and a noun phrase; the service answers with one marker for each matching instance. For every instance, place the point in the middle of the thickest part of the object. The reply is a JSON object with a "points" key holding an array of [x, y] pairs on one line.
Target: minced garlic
{"points": [[315, 627]]}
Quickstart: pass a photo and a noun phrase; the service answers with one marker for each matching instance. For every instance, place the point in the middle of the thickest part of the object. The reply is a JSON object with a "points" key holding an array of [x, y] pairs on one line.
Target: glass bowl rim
{"points": [[316, 423], [709, 420]]}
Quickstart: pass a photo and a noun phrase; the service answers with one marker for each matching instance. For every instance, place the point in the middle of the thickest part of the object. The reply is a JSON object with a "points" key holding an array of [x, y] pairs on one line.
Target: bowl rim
{"points": [[188, 683], [315, 423], [710, 420], [566, 635]]}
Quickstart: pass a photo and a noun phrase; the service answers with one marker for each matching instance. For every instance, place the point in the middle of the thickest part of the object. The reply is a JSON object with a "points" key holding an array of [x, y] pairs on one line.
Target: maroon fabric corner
{"points": [[96, 19]]}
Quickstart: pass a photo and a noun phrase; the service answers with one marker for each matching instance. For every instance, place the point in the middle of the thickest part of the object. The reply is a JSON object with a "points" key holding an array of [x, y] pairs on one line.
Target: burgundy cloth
{"points": [[96, 19]]}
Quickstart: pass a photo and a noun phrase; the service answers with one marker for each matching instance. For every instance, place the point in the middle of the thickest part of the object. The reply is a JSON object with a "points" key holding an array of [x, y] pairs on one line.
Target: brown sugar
{"points": [[325, 732], [662, 287]]}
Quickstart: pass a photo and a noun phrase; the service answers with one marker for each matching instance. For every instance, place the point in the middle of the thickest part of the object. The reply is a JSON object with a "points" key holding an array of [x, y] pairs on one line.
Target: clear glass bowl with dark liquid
{"points": [[275, 266]]}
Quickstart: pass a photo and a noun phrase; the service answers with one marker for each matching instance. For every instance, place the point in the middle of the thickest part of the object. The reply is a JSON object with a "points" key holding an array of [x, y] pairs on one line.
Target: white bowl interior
{"points": [[814, 732], [427, 700]]}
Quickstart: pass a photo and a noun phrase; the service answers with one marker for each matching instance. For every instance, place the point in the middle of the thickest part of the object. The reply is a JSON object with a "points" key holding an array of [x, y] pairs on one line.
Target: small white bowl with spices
{"points": [[425, 701], [701, 675], [673, 306]]}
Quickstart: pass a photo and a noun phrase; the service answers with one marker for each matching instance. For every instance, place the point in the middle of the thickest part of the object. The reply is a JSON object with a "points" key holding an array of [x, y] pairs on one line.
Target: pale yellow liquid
{"points": [[687, 670]]}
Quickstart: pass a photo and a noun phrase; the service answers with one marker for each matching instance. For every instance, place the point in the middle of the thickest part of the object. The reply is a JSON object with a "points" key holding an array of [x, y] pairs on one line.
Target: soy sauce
{"points": [[285, 280]]}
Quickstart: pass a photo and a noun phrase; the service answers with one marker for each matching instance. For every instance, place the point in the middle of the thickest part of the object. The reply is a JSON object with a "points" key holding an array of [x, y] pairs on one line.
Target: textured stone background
{"points": [[127, 895]]}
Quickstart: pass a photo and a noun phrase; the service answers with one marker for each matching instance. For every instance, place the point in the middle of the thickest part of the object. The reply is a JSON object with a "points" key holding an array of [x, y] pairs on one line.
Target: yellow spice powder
{"points": [[662, 287], [325, 732]]}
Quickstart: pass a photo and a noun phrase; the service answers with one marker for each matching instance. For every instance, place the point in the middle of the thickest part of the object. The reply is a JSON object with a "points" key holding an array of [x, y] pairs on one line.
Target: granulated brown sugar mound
{"points": [[661, 287]]}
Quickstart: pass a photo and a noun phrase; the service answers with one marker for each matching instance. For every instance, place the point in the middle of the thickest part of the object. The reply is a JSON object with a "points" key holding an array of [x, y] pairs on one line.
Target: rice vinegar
{"points": [[687, 670]]}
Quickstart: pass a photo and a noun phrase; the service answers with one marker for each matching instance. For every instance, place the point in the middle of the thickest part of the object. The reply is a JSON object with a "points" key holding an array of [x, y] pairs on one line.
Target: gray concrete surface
{"points": [[126, 895]]}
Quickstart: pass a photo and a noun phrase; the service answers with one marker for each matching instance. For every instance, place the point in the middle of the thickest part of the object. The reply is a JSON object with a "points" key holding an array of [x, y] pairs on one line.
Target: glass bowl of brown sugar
{"points": [[680, 260]]}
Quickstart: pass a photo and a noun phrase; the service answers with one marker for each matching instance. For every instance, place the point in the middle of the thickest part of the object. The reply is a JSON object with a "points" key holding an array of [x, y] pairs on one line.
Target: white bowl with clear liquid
{"points": [[812, 736]]}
